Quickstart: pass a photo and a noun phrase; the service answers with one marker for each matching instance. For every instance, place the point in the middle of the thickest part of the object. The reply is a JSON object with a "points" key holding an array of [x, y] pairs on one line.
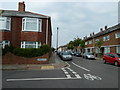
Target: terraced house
{"points": [[110, 37], [24, 29]]}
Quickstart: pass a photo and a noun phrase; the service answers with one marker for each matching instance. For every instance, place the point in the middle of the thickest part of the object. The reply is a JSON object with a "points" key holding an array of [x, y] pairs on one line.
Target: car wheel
{"points": [[116, 63]]}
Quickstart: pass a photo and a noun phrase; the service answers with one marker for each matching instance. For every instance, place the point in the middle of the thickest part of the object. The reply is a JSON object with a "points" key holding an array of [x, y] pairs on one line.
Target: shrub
{"points": [[45, 48], [32, 52], [7, 49]]}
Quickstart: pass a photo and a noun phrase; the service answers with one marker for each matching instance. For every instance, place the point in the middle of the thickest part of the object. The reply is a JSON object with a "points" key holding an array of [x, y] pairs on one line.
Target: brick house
{"points": [[109, 36], [24, 29]]}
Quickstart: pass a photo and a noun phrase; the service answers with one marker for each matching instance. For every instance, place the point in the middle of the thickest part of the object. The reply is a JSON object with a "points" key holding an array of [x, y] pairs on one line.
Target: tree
{"points": [[98, 45], [82, 45]]}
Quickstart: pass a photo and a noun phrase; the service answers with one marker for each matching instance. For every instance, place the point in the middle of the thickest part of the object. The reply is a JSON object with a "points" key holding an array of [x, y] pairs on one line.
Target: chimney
{"points": [[105, 27], [90, 34], [101, 30], [93, 33], [21, 6]]}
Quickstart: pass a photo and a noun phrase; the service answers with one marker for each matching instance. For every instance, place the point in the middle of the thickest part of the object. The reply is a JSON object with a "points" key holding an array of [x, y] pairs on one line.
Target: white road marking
{"points": [[92, 77], [68, 76], [75, 73], [66, 73], [32, 79], [80, 67]]}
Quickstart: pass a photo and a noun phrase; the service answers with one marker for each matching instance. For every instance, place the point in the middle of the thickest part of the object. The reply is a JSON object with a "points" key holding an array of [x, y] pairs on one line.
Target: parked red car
{"points": [[113, 58]]}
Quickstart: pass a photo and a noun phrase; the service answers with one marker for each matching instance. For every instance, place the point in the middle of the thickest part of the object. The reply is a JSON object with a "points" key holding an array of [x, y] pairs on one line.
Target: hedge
{"points": [[32, 52], [7, 49]]}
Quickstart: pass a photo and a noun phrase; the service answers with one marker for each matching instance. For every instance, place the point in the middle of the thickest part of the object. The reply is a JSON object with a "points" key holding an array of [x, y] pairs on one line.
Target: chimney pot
{"points": [[21, 6], [90, 34], [101, 29], [105, 27]]}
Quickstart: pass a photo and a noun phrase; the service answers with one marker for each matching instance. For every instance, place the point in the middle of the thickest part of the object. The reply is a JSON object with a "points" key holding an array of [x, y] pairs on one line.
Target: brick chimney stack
{"points": [[21, 6]]}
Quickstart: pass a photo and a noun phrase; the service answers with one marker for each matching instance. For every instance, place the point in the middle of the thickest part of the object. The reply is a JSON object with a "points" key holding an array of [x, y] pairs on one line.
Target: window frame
{"points": [[117, 49], [106, 38], [24, 43], [90, 42], [38, 21], [107, 49], [116, 35], [6, 19], [86, 43], [3, 43]]}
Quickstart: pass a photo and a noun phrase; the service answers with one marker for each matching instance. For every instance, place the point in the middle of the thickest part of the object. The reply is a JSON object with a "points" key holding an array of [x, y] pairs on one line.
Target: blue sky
{"points": [[73, 18]]}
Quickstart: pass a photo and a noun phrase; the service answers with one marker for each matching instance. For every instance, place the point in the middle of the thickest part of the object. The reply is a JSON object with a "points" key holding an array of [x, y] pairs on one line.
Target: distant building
{"points": [[110, 37], [24, 29]]}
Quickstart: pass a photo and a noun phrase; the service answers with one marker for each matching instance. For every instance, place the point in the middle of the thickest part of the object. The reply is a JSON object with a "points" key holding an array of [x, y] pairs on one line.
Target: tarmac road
{"points": [[80, 73]]}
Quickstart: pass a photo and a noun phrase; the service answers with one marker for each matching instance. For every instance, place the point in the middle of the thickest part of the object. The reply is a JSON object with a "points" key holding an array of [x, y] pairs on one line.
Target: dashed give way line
{"points": [[80, 67]]}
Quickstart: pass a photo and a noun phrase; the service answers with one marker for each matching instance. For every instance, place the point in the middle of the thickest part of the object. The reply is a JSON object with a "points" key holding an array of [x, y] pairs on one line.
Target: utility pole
{"points": [[57, 39]]}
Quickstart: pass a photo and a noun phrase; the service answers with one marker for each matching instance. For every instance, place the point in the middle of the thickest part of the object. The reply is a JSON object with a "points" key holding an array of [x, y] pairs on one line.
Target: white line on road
{"points": [[80, 67], [31, 79], [66, 73], [75, 73]]}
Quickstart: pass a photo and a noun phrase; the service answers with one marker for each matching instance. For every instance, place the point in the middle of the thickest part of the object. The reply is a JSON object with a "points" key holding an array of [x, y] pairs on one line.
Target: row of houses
{"points": [[110, 37], [24, 29]]}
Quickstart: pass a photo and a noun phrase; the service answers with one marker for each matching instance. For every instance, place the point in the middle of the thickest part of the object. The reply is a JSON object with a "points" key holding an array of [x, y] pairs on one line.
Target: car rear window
{"points": [[117, 55]]}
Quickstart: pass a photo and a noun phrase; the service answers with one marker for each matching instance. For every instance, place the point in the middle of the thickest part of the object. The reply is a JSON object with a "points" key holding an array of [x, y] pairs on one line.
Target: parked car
{"points": [[78, 54], [66, 56], [88, 56], [72, 53], [113, 58]]}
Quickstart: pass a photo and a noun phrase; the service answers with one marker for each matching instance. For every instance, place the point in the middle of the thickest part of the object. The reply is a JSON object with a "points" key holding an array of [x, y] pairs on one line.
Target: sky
{"points": [[74, 19]]}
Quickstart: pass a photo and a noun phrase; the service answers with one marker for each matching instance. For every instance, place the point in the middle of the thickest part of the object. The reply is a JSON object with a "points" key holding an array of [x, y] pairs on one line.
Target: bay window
{"points": [[107, 50], [118, 49], [29, 44], [4, 43], [5, 23], [31, 24]]}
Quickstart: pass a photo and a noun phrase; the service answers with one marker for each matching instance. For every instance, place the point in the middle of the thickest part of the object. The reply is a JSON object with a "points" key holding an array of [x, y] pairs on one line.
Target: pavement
{"points": [[54, 63]]}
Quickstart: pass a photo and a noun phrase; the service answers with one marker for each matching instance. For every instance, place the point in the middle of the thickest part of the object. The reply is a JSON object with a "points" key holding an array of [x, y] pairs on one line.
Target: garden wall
{"points": [[10, 58]]}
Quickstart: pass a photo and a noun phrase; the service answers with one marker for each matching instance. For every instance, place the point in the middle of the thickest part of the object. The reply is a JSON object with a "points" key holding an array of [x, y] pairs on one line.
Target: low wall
{"points": [[10, 58]]}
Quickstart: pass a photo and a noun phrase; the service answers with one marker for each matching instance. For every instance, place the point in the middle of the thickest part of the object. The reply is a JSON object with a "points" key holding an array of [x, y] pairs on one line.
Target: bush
{"points": [[7, 49], [32, 52]]}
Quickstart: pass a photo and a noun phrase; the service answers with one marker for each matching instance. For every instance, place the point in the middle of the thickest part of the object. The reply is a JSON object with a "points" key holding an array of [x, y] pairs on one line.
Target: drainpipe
{"points": [[47, 31]]}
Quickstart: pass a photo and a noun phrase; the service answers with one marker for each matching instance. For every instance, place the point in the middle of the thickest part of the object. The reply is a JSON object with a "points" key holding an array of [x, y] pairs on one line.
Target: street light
{"points": [[57, 39]]}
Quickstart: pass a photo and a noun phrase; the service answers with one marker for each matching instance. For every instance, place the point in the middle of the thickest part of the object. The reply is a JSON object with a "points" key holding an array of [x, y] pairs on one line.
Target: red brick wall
{"points": [[16, 35], [10, 58]]}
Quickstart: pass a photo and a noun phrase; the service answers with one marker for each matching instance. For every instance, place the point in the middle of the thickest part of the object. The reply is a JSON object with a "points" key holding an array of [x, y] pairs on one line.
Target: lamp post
{"points": [[57, 39]]}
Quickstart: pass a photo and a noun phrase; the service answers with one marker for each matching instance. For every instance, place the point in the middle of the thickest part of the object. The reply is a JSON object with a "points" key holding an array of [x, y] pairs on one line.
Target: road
{"points": [[80, 73]]}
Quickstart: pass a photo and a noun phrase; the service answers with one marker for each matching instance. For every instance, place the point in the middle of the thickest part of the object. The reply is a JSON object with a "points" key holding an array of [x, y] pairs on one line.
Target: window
{"points": [[31, 24], [118, 49], [5, 23], [96, 39], [106, 49], [106, 38], [90, 50], [27, 44], [90, 42], [97, 50], [86, 43], [4, 43], [117, 35]]}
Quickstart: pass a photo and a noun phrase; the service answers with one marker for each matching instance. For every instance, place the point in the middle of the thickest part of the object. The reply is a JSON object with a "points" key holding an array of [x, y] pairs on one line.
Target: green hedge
{"points": [[32, 52], [7, 49]]}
